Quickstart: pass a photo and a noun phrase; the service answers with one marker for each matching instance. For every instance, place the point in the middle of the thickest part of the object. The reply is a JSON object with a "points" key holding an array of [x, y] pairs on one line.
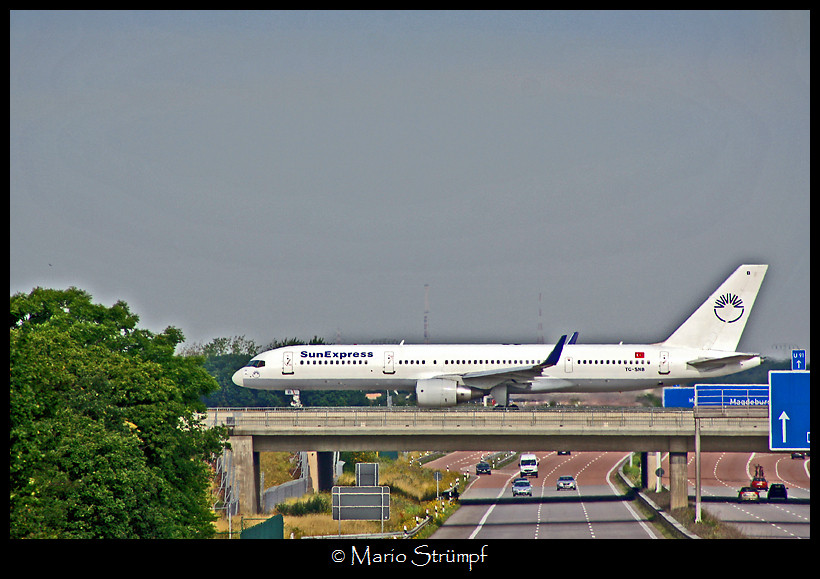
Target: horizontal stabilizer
{"points": [[714, 363]]}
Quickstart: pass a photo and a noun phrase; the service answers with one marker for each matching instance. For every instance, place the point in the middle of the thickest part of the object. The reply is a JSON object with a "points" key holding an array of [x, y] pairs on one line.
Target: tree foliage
{"points": [[104, 436], [224, 356]]}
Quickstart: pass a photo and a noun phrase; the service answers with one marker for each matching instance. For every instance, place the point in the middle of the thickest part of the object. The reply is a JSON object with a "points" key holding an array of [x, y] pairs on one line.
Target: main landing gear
{"points": [[501, 396]]}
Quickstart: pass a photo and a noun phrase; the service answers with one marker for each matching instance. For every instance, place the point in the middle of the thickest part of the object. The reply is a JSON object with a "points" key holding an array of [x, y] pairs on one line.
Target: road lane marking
{"points": [[490, 510], [626, 504]]}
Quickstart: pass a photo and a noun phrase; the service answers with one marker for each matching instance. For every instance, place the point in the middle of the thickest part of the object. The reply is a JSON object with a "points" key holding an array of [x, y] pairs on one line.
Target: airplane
{"points": [[442, 375]]}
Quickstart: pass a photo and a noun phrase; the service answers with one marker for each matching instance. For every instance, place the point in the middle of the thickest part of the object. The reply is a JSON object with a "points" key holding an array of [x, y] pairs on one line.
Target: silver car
{"points": [[566, 482], [521, 486], [749, 494]]}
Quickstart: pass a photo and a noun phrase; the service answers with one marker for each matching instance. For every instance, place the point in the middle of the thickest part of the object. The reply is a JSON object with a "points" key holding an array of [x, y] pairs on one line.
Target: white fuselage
{"points": [[444, 375], [582, 368]]}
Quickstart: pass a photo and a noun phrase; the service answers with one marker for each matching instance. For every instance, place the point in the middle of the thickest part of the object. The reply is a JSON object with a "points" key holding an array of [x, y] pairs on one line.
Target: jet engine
{"points": [[440, 393]]}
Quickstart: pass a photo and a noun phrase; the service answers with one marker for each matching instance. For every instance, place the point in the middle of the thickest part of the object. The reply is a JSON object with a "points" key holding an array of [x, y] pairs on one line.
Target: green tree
{"points": [[224, 356], [104, 436]]}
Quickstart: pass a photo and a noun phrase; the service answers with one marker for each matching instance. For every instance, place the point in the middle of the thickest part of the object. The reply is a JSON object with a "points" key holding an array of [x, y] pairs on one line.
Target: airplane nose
{"points": [[237, 378]]}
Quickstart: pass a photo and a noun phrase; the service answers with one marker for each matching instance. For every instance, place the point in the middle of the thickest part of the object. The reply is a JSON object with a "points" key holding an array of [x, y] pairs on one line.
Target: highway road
{"points": [[593, 511], [722, 475], [489, 511]]}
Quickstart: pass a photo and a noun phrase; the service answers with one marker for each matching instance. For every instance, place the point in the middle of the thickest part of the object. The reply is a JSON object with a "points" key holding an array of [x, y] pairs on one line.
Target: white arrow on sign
{"points": [[783, 418]]}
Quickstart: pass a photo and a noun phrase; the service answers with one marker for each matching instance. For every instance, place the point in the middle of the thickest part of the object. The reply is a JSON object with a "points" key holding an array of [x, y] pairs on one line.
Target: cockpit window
{"points": [[256, 363]]}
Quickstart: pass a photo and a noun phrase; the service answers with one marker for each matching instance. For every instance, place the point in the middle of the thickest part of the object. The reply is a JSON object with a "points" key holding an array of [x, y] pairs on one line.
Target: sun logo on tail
{"points": [[729, 308]]}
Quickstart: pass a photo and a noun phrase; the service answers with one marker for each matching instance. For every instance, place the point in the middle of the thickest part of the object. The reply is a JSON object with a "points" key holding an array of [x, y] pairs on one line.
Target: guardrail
{"points": [[672, 419], [388, 535], [666, 519]]}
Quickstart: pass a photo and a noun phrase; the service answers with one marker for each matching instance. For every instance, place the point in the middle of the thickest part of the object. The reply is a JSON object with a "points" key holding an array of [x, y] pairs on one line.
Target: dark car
{"points": [[482, 467], [777, 492]]}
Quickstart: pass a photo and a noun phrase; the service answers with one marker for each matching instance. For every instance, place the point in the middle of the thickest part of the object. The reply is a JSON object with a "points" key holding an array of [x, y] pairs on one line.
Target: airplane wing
{"points": [[518, 374], [714, 363]]}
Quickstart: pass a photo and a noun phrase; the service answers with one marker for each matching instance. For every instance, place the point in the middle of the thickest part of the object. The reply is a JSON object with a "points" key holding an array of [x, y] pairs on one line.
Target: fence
{"points": [[278, 494]]}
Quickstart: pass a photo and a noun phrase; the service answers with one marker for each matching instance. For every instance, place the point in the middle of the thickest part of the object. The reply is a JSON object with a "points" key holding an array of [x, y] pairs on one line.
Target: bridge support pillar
{"points": [[678, 481], [324, 476], [246, 463], [320, 469], [644, 470]]}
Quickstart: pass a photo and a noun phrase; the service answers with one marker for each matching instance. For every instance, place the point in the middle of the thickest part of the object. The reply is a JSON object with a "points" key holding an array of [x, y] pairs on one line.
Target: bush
{"points": [[318, 503]]}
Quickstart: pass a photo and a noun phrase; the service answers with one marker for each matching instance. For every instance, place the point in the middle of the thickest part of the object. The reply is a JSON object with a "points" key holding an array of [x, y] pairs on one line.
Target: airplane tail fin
{"points": [[719, 322]]}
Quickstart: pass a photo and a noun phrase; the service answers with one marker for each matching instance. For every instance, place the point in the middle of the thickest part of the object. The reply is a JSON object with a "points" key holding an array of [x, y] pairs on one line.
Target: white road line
{"points": [[490, 510], [627, 505]]}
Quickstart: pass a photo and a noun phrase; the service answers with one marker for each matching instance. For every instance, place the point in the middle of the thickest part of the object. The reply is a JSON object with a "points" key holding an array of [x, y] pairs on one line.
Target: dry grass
{"points": [[412, 497], [409, 480], [323, 524], [277, 467]]}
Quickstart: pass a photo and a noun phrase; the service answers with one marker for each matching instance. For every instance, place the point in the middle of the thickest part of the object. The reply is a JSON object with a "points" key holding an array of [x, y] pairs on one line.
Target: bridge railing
{"points": [[418, 418]]}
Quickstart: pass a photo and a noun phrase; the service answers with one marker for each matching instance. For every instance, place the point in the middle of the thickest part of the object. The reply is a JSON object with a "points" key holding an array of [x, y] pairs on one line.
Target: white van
{"points": [[528, 465]]}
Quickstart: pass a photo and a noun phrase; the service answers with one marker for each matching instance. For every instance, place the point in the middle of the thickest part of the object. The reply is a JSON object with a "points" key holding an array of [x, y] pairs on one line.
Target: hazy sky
{"points": [[291, 174]]}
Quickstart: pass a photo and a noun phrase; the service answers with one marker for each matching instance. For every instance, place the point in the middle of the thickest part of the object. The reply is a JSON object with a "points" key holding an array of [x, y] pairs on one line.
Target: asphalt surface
{"points": [[593, 511], [722, 476]]}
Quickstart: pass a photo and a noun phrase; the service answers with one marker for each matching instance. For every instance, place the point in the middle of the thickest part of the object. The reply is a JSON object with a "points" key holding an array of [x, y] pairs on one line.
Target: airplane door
{"points": [[568, 364], [388, 363], [287, 363], [664, 367]]}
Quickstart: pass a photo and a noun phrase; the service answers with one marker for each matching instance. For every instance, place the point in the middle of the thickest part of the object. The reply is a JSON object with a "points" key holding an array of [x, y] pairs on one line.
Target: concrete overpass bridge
{"points": [[677, 431]]}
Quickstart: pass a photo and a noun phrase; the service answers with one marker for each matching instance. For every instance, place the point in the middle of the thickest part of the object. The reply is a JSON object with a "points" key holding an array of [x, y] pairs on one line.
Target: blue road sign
{"points": [[679, 397], [789, 411], [738, 395], [798, 359]]}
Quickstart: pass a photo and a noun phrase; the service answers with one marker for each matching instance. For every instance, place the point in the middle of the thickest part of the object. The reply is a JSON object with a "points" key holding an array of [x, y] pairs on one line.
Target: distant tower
{"points": [[426, 312], [540, 338]]}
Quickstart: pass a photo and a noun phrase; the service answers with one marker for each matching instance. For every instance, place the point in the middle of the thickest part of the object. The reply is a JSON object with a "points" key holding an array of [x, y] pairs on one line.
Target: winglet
{"points": [[555, 355], [573, 339]]}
